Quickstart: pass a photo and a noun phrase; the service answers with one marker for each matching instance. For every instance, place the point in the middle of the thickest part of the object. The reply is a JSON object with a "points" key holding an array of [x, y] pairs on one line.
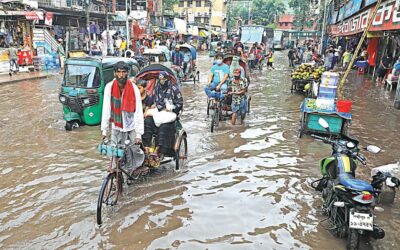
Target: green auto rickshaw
{"points": [[83, 85]]}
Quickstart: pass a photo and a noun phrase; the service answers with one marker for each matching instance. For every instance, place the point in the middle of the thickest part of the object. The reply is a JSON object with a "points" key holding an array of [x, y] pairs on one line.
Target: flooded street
{"points": [[245, 187]]}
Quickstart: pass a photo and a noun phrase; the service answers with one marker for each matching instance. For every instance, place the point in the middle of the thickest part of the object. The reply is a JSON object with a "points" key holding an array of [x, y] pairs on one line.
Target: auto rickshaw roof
{"points": [[106, 62], [153, 52]]}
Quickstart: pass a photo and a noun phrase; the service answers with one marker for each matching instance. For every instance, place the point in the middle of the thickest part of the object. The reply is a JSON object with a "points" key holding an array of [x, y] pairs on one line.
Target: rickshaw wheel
{"points": [[208, 107], [181, 153]]}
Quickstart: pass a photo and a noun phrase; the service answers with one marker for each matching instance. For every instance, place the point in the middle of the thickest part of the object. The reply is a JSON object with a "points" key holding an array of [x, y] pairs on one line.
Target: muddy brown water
{"points": [[245, 187]]}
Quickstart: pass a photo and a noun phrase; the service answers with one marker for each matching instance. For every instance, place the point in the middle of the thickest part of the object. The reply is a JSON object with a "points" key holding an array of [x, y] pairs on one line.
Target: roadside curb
{"points": [[23, 79]]}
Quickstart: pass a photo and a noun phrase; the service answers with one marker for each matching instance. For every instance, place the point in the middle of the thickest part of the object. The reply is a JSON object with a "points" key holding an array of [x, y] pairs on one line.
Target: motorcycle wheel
{"points": [[353, 240]]}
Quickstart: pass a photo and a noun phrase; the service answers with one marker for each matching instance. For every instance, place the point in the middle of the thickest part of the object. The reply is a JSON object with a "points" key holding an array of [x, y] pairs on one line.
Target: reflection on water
{"points": [[247, 186]]}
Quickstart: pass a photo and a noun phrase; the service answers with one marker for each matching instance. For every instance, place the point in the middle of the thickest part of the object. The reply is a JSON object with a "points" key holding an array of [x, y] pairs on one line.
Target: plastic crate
{"points": [[335, 123]]}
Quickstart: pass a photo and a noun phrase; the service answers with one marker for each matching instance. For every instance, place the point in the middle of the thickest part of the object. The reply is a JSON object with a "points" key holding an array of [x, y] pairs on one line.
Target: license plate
{"points": [[361, 221]]}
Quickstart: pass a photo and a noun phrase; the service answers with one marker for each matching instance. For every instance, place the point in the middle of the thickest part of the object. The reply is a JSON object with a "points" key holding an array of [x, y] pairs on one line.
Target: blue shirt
{"points": [[177, 58], [187, 57], [397, 66], [219, 71]]}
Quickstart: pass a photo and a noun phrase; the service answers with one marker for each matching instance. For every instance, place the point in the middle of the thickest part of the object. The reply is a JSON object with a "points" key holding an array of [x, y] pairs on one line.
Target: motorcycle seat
{"points": [[347, 180]]}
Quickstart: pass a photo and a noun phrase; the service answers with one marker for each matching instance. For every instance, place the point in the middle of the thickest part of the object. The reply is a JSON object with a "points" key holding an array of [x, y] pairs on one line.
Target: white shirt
{"points": [[129, 122]]}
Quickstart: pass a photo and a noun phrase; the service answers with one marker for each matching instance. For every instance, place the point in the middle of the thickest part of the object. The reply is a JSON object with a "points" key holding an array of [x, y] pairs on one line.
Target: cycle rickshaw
{"points": [[194, 73], [221, 109], [112, 185]]}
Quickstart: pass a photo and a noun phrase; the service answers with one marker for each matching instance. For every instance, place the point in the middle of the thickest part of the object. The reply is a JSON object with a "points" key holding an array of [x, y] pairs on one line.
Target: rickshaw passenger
{"points": [[235, 65], [238, 89], [164, 94], [177, 57], [217, 87], [187, 61]]}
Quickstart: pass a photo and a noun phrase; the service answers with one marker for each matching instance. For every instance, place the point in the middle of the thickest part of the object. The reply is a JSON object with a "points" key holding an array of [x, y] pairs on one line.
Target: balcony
{"points": [[70, 5]]}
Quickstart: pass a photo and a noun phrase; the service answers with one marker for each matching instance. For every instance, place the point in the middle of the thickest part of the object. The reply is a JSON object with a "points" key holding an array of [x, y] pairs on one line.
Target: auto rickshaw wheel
{"points": [[181, 153], [70, 125]]}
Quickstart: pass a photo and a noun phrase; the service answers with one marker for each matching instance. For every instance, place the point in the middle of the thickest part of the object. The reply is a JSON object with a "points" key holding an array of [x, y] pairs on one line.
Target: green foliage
{"points": [[265, 11], [169, 4], [301, 8]]}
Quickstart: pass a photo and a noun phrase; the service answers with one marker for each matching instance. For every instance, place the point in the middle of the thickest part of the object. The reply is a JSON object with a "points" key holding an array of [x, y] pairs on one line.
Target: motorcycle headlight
{"points": [[62, 99], [350, 145]]}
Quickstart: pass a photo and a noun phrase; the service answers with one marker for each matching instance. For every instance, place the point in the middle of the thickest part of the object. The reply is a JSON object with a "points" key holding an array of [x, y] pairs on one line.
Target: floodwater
{"points": [[245, 187]]}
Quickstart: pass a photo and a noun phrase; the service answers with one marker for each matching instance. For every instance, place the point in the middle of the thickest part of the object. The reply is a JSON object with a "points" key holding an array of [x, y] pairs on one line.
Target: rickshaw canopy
{"points": [[151, 73], [191, 48]]}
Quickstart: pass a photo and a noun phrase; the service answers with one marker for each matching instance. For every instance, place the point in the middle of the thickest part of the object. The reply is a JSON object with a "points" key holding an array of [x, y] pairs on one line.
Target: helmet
{"points": [[121, 65]]}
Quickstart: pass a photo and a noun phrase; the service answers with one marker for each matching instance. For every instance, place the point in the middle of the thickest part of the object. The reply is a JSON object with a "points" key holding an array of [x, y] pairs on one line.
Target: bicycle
{"points": [[112, 185]]}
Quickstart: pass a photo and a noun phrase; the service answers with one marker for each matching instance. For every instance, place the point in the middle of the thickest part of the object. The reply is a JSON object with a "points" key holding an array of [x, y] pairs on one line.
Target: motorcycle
{"points": [[348, 202]]}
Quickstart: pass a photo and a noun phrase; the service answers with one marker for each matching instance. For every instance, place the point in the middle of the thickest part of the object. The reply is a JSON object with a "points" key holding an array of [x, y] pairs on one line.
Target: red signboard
{"points": [[387, 18], [34, 15]]}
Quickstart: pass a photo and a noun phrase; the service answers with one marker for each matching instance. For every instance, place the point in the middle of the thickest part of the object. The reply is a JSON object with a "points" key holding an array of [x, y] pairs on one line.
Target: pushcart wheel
{"points": [[301, 131]]}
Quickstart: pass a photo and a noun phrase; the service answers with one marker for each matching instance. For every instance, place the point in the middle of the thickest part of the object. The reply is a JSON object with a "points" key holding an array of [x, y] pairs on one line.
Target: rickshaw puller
{"points": [[238, 90]]}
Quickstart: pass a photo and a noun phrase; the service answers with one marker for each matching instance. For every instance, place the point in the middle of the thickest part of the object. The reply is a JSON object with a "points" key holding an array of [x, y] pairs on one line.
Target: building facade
{"points": [[203, 12]]}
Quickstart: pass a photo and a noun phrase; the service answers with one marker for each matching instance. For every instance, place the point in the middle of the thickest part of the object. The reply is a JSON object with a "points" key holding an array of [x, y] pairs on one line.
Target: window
{"points": [[181, 3], [197, 19], [190, 3], [198, 3], [207, 3]]}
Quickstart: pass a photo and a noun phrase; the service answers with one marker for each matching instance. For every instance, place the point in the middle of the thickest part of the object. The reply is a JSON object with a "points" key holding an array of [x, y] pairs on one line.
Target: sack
{"points": [[162, 117]]}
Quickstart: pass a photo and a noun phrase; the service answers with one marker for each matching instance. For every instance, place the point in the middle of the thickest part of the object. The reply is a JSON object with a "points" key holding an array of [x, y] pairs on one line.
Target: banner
{"points": [[34, 15], [387, 18], [49, 19]]}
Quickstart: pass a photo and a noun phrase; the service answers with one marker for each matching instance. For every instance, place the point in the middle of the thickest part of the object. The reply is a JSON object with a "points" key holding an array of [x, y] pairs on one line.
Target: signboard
{"points": [[34, 15], [369, 2], [341, 13], [387, 18], [347, 11]]}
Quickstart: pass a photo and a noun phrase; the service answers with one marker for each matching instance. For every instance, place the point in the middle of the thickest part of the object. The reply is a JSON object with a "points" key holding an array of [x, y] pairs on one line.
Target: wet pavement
{"points": [[245, 187]]}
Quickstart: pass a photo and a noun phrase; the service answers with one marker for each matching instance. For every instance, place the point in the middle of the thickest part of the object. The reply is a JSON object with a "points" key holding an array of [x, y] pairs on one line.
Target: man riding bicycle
{"points": [[122, 107], [217, 87]]}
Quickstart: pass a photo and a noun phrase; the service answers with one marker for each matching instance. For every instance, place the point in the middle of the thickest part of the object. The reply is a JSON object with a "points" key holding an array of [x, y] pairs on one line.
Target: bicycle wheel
{"points": [[214, 119], [108, 195]]}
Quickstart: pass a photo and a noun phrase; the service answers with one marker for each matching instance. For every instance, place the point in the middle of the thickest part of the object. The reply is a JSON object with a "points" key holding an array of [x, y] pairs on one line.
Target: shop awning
{"points": [[204, 33], [167, 30], [215, 33]]}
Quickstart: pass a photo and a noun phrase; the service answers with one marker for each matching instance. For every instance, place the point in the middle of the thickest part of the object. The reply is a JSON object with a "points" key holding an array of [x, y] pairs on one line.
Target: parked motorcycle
{"points": [[348, 202]]}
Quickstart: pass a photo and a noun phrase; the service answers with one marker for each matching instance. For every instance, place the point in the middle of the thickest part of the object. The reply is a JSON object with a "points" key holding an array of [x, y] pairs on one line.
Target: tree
{"points": [[301, 9], [237, 13], [169, 4], [264, 12]]}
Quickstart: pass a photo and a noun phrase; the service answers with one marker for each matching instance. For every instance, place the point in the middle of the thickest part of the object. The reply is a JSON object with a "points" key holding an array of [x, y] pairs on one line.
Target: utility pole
{"points": [[107, 27], [323, 26], [127, 23], [88, 4]]}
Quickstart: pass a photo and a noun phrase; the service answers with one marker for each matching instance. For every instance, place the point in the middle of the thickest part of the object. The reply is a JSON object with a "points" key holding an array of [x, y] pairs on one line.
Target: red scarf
{"points": [[127, 103]]}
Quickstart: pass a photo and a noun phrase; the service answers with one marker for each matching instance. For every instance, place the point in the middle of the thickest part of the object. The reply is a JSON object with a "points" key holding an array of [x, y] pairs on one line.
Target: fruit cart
{"points": [[310, 114], [306, 78]]}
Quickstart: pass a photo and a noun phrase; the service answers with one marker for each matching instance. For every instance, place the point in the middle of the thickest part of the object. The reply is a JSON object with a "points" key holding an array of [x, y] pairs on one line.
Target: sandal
{"points": [[154, 160]]}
